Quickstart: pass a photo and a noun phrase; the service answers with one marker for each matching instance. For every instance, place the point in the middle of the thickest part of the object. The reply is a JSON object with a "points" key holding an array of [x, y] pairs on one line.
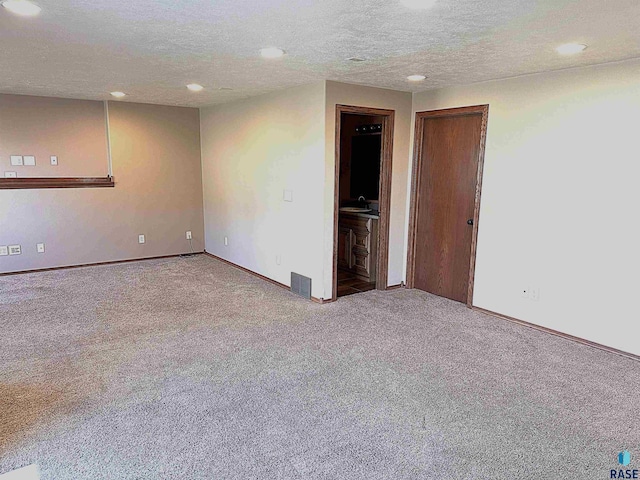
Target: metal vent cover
{"points": [[301, 285]]}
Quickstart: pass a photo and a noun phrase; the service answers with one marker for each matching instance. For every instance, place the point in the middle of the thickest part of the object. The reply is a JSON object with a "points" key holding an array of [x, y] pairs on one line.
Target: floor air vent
{"points": [[301, 285]]}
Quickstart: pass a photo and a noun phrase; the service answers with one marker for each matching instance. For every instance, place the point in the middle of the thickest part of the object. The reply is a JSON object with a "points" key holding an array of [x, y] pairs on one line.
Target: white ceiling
{"points": [[152, 48]]}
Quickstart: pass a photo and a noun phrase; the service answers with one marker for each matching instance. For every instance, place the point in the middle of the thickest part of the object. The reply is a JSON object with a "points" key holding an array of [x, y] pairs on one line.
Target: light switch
{"points": [[54, 160], [288, 196], [15, 250], [40, 247], [29, 161], [141, 239], [16, 160], [4, 250], [10, 175]]}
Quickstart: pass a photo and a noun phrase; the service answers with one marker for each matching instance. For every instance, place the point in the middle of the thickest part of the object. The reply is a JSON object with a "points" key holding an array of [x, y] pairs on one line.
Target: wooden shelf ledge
{"points": [[66, 182]]}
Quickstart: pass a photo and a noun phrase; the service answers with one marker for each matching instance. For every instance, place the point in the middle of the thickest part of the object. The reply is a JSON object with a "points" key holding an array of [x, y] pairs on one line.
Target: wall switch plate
{"points": [[16, 160], [40, 247], [4, 250], [15, 250], [141, 239], [189, 236], [29, 161], [54, 160], [226, 241], [288, 195], [10, 175]]}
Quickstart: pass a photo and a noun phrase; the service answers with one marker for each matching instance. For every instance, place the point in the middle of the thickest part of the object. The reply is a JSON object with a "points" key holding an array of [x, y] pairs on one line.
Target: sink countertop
{"points": [[365, 215]]}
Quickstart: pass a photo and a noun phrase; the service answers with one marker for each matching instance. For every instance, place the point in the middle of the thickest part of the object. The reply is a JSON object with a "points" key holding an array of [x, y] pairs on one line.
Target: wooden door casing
{"points": [[382, 245]]}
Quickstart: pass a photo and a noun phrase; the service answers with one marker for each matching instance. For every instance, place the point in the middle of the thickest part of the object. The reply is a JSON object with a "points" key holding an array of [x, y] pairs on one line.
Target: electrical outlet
{"points": [[226, 241], [531, 293], [189, 237], [40, 247], [54, 160], [16, 160], [4, 250], [534, 293], [141, 239], [15, 250], [10, 175]]}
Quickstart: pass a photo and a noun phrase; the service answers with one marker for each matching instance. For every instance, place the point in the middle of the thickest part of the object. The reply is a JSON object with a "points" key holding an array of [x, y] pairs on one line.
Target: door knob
{"points": [[470, 221]]}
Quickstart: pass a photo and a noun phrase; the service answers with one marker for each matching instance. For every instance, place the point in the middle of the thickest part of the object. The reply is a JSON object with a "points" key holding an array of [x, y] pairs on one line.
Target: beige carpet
{"points": [[189, 368]]}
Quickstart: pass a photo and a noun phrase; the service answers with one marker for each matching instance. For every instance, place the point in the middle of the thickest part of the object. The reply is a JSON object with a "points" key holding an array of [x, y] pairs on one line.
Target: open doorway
{"points": [[364, 143]]}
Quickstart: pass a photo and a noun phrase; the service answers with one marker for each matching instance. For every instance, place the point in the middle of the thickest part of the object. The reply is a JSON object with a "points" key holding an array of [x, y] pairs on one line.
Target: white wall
{"points": [[357, 95], [560, 198], [252, 150]]}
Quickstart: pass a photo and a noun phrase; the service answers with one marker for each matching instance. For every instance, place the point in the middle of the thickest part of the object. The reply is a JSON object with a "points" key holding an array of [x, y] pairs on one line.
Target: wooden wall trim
{"points": [[415, 175], [384, 205], [96, 264], [262, 277], [556, 333], [50, 182]]}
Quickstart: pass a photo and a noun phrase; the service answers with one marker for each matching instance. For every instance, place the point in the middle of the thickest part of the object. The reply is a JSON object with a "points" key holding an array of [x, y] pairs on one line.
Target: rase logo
{"points": [[624, 459]]}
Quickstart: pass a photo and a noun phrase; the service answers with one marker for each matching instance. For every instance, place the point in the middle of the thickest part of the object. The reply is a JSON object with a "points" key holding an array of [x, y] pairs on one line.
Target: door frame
{"points": [[421, 117], [388, 122]]}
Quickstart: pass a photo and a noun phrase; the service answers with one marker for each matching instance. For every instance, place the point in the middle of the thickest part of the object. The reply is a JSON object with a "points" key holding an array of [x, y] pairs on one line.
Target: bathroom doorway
{"points": [[364, 144]]}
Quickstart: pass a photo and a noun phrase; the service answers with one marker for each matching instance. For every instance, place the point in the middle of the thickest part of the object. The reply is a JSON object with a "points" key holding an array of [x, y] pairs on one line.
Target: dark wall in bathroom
{"points": [[347, 132]]}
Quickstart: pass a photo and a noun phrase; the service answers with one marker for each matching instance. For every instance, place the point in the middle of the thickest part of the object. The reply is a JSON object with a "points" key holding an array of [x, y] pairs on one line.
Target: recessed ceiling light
{"points": [[272, 52], [118, 94], [194, 87], [416, 78], [22, 7], [418, 4], [571, 48]]}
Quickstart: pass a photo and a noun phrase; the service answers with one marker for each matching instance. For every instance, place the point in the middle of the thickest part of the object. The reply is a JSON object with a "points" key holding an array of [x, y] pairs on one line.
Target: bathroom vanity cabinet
{"points": [[357, 244]]}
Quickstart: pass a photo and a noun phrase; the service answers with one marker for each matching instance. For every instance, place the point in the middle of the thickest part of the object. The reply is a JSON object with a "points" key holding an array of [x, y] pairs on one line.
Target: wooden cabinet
{"points": [[344, 247], [358, 245]]}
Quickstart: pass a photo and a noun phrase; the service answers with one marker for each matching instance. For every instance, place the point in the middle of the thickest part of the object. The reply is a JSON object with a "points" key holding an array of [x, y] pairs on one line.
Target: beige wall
{"points": [[560, 198], [156, 166], [347, 94], [73, 130], [253, 150], [558, 206]]}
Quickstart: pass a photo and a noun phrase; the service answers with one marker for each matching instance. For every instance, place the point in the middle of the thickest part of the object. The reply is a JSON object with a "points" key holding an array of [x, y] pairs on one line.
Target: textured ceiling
{"points": [[152, 48]]}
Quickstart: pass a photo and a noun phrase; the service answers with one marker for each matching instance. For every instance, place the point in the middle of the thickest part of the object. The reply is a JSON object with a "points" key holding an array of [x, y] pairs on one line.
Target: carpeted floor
{"points": [[189, 368]]}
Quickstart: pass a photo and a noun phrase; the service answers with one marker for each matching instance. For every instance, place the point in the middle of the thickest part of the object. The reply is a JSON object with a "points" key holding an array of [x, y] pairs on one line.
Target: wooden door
{"points": [[446, 198]]}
